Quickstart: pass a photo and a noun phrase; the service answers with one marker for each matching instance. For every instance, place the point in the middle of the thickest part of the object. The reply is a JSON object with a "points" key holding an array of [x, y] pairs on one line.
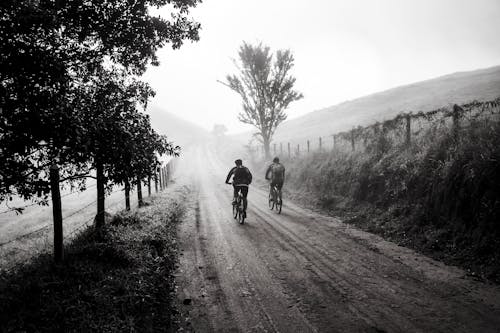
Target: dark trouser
{"points": [[278, 184], [244, 192]]}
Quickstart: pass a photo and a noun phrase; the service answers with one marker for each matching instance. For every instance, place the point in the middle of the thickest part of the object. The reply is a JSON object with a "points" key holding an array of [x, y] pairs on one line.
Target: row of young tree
{"points": [[70, 94]]}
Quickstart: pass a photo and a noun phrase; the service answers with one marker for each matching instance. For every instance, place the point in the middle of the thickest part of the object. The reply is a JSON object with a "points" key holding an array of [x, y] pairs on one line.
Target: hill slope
{"points": [[180, 131], [483, 84]]}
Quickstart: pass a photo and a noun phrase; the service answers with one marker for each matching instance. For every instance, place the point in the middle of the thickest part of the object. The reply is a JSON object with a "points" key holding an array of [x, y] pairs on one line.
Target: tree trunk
{"points": [[149, 185], [57, 214], [156, 182], [139, 192], [267, 150], [99, 220], [127, 194]]}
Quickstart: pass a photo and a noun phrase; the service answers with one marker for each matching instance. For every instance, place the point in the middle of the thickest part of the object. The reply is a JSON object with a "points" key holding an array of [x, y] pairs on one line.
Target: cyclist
{"points": [[242, 177], [276, 173]]}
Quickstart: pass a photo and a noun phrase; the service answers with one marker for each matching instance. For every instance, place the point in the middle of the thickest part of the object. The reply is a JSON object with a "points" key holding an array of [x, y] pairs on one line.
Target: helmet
{"points": [[238, 162], [276, 160]]}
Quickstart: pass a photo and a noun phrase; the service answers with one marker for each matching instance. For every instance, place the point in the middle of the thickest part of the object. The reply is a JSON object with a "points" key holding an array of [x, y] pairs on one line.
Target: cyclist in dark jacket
{"points": [[276, 173], [242, 177]]}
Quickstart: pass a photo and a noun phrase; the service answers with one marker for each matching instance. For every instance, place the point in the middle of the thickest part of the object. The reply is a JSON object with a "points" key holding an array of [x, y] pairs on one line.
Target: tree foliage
{"points": [[59, 100], [266, 87]]}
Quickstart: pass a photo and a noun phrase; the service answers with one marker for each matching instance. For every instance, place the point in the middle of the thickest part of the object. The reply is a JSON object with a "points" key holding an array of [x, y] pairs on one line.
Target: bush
{"points": [[441, 193]]}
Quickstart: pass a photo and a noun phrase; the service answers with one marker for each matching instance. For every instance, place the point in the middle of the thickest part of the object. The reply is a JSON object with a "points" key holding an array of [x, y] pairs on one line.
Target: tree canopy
{"points": [[54, 65], [266, 87]]}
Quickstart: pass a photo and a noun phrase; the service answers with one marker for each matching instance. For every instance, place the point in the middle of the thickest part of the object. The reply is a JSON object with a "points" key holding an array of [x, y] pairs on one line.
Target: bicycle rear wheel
{"points": [[271, 202], [279, 204], [235, 210], [241, 215]]}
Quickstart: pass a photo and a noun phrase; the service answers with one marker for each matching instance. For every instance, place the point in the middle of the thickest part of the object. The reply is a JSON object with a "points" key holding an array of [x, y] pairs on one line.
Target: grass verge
{"points": [[116, 280], [440, 195]]}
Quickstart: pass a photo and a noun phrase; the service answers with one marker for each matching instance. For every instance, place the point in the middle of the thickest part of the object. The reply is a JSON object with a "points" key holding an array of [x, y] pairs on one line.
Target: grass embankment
{"points": [[440, 195], [117, 280]]}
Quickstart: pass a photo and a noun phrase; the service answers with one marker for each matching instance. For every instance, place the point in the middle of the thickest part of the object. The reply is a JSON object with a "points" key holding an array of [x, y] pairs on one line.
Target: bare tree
{"points": [[265, 85]]}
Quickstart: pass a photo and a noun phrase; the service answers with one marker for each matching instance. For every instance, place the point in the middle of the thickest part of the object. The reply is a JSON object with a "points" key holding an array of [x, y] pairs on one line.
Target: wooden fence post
{"points": [[281, 148], [307, 145], [320, 143], [408, 130], [288, 149], [56, 213], [352, 140], [456, 119]]}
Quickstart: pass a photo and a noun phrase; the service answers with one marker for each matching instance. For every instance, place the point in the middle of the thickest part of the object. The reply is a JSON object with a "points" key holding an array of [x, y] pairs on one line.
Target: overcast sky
{"points": [[343, 50]]}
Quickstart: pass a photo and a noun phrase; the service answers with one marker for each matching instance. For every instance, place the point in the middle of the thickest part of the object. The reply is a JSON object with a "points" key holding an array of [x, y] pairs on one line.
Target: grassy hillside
{"points": [[427, 95], [439, 194], [180, 131]]}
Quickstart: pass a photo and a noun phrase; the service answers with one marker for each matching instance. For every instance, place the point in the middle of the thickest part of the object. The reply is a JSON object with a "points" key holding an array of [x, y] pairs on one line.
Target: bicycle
{"points": [[275, 201], [239, 212]]}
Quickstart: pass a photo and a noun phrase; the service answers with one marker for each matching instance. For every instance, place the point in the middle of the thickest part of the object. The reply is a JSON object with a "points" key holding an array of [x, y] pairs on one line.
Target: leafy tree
{"points": [[266, 87], [48, 50]]}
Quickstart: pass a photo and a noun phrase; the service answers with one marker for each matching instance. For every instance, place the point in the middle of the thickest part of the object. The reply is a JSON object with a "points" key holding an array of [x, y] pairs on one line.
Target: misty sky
{"points": [[343, 50]]}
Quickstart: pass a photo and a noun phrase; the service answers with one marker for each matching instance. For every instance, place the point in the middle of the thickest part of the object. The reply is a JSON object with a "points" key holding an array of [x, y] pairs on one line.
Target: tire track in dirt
{"points": [[301, 271]]}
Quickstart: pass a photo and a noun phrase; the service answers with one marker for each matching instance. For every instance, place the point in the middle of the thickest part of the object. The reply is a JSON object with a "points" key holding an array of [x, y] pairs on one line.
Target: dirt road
{"points": [[304, 272]]}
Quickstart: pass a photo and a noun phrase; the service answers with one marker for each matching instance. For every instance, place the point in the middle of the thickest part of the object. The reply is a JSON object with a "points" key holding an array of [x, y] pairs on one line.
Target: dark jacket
{"points": [[241, 176]]}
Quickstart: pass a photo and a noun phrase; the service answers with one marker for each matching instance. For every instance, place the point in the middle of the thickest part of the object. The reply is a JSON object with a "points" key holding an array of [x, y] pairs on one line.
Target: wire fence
{"points": [[401, 130], [160, 182]]}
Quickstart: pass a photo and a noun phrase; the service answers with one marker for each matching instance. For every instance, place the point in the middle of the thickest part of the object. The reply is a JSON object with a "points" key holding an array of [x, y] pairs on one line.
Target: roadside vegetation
{"points": [[116, 279], [438, 194]]}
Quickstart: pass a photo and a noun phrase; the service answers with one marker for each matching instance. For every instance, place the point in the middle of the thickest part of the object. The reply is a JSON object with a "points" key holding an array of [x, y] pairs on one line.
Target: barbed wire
{"points": [[46, 226]]}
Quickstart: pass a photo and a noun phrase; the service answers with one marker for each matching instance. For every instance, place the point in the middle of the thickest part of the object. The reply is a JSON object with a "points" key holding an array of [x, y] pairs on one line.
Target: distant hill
{"points": [[481, 85], [180, 131]]}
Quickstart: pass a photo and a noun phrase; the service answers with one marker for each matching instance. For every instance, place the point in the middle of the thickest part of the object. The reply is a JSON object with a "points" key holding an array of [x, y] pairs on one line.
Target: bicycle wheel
{"points": [[279, 204], [241, 215], [271, 201], [235, 210]]}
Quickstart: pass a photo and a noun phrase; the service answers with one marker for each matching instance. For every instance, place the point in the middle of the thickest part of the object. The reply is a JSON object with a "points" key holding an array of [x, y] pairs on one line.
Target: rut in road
{"points": [[304, 272]]}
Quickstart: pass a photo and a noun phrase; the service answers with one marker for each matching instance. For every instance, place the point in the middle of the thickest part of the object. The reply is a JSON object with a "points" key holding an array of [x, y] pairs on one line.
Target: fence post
{"points": [[334, 143], [298, 149], [281, 148], [456, 118], [408, 130], [320, 143], [56, 213], [352, 140], [288, 149], [274, 148], [307, 145], [165, 177]]}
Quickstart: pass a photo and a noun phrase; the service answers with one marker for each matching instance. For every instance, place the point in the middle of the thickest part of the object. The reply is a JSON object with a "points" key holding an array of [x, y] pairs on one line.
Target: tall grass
{"points": [[439, 194]]}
